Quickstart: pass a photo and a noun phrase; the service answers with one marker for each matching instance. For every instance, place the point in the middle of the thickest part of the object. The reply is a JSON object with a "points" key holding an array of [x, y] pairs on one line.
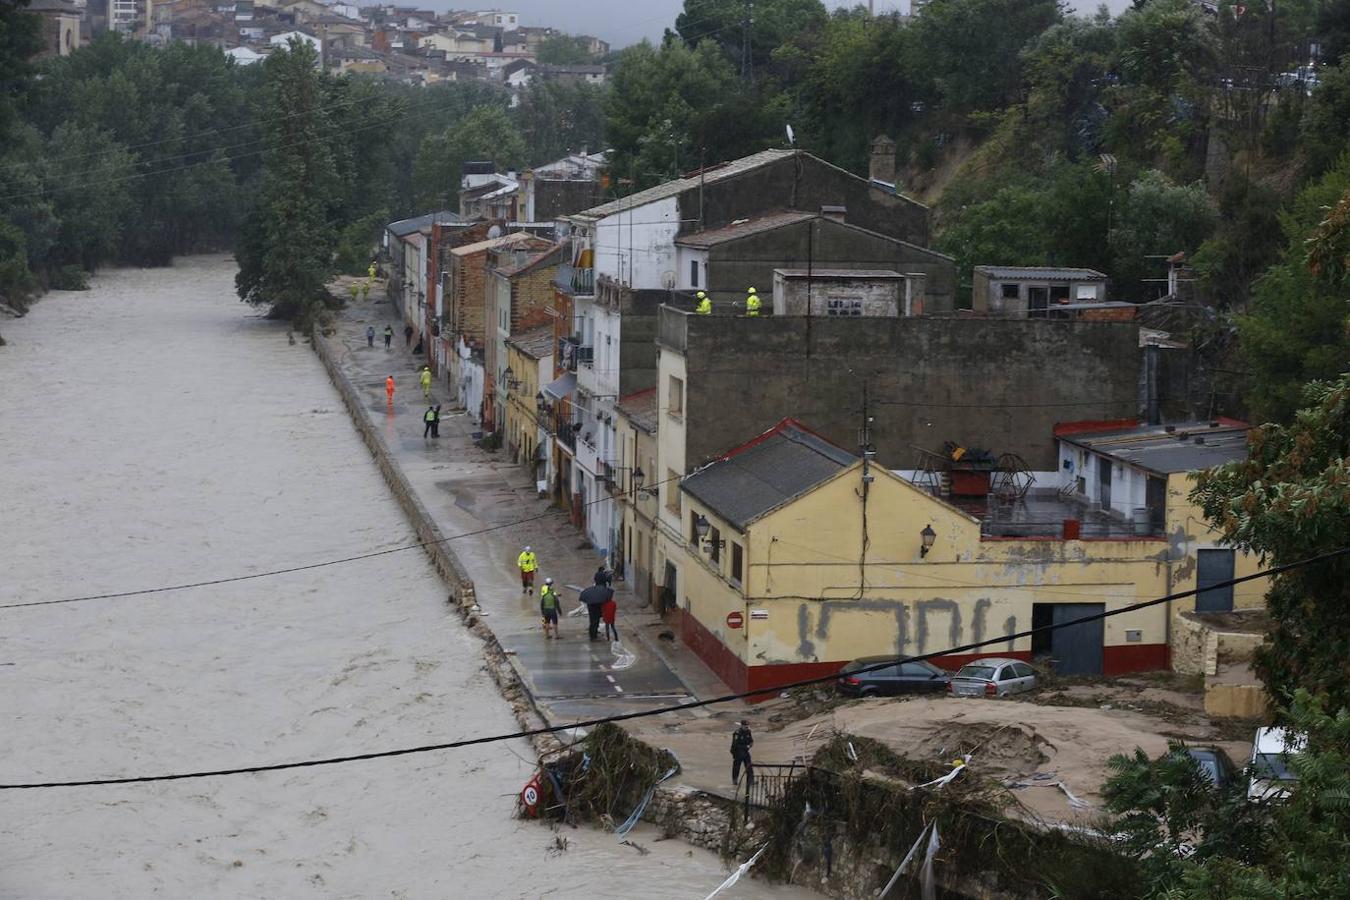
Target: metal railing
{"points": [[578, 282], [769, 783]]}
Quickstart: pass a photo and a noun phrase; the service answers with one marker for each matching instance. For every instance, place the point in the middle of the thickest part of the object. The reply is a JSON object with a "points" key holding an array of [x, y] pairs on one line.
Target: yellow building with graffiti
{"points": [[796, 556]]}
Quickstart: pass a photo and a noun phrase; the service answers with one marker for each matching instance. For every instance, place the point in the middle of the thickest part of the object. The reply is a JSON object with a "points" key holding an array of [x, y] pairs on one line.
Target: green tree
{"points": [[1297, 327], [286, 250], [1300, 854], [1155, 218], [1289, 500], [769, 23], [973, 63], [19, 39], [487, 133], [1172, 816], [555, 118], [670, 108], [564, 50]]}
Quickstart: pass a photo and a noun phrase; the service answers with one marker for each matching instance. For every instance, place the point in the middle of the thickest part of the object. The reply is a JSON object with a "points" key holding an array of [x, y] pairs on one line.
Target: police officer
{"points": [[704, 307], [751, 303], [741, 742], [429, 420]]}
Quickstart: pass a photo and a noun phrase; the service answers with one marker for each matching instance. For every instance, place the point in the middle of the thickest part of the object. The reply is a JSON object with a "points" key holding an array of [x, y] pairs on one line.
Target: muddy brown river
{"points": [[154, 431]]}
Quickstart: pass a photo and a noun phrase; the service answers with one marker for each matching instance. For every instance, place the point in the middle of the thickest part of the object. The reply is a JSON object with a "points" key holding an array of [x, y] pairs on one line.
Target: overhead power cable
{"points": [[164, 589], [663, 710]]}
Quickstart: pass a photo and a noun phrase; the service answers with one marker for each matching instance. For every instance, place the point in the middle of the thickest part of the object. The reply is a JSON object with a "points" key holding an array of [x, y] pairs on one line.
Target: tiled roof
{"points": [[743, 228], [641, 408], [680, 185], [535, 343], [490, 243], [780, 465]]}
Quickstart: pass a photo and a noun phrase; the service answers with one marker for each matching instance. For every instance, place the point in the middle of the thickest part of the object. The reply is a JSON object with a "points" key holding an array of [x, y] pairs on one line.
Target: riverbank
{"points": [[158, 432]]}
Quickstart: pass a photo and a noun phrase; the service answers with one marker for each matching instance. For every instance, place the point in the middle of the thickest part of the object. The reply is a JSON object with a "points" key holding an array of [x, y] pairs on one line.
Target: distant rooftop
{"points": [[1166, 449], [758, 477], [678, 186], [408, 226], [1040, 273], [641, 407], [743, 228], [536, 343]]}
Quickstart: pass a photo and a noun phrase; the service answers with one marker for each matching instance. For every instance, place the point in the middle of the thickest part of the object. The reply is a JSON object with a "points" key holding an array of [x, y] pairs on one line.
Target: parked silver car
{"points": [[994, 677]]}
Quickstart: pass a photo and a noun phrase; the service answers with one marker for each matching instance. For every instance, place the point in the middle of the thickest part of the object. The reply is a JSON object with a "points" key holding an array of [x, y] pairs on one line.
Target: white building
{"points": [[244, 56], [284, 40]]}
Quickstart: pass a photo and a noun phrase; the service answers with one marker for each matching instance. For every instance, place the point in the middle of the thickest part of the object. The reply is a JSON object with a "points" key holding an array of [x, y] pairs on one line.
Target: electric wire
{"points": [[658, 711], [164, 589]]}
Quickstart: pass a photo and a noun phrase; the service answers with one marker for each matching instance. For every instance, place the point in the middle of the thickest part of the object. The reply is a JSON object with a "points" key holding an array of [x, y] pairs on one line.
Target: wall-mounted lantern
{"points": [[928, 536]]}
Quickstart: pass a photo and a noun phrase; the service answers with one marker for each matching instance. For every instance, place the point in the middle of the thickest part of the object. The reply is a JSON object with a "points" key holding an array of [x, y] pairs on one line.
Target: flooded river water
{"points": [[155, 431]]}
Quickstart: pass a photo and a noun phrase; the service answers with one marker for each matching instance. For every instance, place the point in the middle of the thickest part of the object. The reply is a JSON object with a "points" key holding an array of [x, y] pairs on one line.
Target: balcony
{"points": [[567, 436], [575, 281], [570, 353]]}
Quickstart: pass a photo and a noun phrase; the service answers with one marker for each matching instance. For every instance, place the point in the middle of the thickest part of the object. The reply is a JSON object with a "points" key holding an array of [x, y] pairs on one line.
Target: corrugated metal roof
{"points": [[680, 185], [1191, 446], [783, 463], [490, 243], [536, 343], [1040, 273], [744, 228], [408, 226]]}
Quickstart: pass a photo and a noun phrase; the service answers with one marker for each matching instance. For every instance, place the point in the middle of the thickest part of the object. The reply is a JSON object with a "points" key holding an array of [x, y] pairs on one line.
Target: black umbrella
{"points": [[596, 595]]}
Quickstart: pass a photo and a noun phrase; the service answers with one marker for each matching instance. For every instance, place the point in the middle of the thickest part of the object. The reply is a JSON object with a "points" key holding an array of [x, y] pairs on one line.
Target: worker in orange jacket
{"points": [[389, 389]]}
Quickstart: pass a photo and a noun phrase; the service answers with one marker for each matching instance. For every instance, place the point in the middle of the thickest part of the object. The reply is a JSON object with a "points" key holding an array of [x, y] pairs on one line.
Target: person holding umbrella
{"points": [[595, 597]]}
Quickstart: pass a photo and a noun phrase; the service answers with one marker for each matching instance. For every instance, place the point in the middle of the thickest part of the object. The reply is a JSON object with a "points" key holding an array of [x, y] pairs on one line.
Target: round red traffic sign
{"points": [[735, 619]]}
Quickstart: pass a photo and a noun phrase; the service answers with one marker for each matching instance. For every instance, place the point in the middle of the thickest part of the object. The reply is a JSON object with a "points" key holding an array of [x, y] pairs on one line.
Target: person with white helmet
{"points": [[752, 303], [528, 565], [549, 605]]}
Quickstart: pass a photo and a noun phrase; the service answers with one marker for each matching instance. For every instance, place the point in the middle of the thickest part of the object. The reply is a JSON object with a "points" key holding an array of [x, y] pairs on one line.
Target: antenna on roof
{"points": [[791, 136]]}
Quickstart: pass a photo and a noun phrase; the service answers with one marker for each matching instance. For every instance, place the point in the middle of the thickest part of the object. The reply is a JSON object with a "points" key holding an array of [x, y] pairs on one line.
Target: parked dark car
{"points": [[1214, 764], [902, 676]]}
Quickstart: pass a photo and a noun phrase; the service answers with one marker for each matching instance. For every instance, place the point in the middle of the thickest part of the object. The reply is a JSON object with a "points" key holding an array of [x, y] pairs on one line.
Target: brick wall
{"points": [[533, 298], [470, 295]]}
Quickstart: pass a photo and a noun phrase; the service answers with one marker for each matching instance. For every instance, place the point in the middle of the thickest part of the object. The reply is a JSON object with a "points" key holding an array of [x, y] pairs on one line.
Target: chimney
{"points": [[882, 165], [834, 213]]}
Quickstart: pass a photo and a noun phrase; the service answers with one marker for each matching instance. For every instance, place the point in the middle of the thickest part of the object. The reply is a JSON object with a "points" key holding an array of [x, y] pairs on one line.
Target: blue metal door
{"points": [[1214, 567], [1077, 649]]}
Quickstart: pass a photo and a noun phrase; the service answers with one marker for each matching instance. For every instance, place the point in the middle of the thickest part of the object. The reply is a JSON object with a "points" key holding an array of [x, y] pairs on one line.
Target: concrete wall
{"points": [[835, 295], [735, 265], [560, 198], [637, 246], [805, 183], [994, 384]]}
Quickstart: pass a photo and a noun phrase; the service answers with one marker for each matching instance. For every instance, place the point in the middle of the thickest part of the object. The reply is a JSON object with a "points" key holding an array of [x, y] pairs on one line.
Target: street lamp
{"points": [[928, 536], [637, 478], [701, 529]]}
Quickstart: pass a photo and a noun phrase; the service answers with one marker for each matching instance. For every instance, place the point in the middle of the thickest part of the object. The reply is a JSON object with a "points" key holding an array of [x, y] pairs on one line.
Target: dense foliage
{"points": [[1197, 841], [122, 153]]}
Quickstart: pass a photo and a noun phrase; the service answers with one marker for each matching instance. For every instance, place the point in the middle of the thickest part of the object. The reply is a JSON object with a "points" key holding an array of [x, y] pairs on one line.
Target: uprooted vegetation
{"points": [[860, 807], [603, 778]]}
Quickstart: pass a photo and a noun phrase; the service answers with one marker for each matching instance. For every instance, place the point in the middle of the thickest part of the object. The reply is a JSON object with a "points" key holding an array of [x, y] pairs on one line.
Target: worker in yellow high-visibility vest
{"points": [[704, 307], [527, 562], [751, 303]]}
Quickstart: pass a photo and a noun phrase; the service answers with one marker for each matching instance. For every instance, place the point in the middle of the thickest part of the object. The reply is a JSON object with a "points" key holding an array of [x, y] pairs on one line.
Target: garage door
{"points": [[1077, 649]]}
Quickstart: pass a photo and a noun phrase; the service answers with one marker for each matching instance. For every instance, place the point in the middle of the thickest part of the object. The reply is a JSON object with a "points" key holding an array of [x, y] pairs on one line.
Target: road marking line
{"points": [[610, 678], [619, 689]]}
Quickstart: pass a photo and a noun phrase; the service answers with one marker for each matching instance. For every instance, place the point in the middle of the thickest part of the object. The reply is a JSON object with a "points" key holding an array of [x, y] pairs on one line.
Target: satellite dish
{"points": [[792, 137], [494, 232]]}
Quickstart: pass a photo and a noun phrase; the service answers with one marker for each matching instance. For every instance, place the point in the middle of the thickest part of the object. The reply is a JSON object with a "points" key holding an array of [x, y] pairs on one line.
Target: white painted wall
{"points": [[685, 260], [637, 246]]}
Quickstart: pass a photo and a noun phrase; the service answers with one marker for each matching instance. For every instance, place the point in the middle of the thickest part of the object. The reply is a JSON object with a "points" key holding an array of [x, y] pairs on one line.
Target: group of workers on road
{"points": [[423, 378], [752, 304], [598, 599]]}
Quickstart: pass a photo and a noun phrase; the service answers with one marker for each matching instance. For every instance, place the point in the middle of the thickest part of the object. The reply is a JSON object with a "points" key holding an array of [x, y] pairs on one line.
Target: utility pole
{"points": [[867, 452], [747, 23]]}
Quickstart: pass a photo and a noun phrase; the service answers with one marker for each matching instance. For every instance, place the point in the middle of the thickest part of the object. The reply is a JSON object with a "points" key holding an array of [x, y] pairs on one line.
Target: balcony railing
{"points": [[577, 282], [567, 436]]}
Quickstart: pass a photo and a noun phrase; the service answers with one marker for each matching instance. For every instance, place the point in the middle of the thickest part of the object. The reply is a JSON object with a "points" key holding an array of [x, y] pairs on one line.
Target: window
{"points": [[1006, 674], [693, 273], [1022, 670], [737, 563], [675, 397], [693, 528], [1010, 291], [672, 487], [715, 551], [915, 670]]}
